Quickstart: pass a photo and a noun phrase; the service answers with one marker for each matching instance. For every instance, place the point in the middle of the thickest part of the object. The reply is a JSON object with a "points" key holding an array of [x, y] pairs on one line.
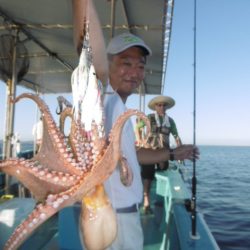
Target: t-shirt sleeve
{"points": [[173, 128]]}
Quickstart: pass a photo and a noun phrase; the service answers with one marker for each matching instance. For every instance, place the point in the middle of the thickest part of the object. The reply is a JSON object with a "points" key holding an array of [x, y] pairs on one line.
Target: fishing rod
{"points": [[194, 182]]}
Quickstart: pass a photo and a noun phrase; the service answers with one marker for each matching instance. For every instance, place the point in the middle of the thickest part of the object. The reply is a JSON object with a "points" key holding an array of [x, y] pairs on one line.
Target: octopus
{"points": [[70, 170]]}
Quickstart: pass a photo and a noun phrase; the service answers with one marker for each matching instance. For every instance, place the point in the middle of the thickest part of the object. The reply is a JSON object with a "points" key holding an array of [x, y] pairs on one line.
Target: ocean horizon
{"points": [[24, 142]]}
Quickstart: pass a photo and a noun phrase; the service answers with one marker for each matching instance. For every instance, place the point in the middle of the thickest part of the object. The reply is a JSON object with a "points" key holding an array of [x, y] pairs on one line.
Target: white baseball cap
{"points": [[124, 41]]}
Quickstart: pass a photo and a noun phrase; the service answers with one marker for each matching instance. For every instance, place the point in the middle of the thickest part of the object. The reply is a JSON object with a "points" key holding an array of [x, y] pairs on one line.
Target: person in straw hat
{"points": [[161, 127]]}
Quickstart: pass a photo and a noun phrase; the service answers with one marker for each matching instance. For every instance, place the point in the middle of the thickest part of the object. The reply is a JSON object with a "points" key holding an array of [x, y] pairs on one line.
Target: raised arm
{"points": [[85, 9]]}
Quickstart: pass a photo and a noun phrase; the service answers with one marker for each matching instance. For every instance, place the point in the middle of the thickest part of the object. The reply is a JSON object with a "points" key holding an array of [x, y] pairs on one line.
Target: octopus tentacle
{"points": [[87, 182], [86, 148], [126, 174], [43, 212], [67, 112], [39, 215], [108, 161], [53, 139], [34, 176], [99, 140], [74, 132]]}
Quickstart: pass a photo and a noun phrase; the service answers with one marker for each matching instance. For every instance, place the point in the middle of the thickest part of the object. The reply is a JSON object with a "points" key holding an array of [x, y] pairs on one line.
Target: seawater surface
{"points": [[223, 193]]}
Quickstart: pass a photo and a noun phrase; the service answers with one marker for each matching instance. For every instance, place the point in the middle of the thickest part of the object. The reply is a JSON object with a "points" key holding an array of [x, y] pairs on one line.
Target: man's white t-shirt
{"points": [[120, 195]]}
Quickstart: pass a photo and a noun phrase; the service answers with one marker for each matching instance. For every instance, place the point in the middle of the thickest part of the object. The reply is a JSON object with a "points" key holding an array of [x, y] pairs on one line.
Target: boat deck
{"points": [[168, 228], [47, 237]]}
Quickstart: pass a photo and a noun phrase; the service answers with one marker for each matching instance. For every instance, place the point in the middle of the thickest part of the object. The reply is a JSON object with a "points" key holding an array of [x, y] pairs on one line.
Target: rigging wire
{"points": [[194, 182]]}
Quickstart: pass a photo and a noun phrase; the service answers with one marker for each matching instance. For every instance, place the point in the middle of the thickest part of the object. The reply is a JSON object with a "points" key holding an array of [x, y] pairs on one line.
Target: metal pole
{"points": [[112, 18], [10, 111]]}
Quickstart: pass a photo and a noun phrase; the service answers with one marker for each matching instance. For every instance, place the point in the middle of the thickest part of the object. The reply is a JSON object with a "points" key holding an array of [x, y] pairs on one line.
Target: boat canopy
{"points": [[44, 32]]}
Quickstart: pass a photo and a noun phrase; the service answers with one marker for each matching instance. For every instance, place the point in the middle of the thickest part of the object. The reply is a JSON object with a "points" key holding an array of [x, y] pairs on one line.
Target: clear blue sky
{"points": [[223, 75]]}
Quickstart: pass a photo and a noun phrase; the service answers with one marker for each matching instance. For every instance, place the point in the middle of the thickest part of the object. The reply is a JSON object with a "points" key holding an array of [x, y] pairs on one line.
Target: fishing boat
{"points": [[40, 36]]}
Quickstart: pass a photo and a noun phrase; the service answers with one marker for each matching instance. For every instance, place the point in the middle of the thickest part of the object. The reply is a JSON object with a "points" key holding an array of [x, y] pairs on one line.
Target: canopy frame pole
{"points": [[112, 18], [10, 113]]}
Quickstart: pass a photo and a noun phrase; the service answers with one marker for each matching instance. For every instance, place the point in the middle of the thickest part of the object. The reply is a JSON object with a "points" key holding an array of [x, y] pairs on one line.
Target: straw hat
{"points": [[161, 99]]}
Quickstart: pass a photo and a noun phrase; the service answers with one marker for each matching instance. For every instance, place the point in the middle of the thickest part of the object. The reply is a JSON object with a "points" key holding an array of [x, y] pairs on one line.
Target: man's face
{"points": [[160, 108], [126, 71]]}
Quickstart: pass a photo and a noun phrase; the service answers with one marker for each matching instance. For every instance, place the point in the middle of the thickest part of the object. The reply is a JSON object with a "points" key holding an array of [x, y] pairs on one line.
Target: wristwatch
{"points": [[171, 155]]}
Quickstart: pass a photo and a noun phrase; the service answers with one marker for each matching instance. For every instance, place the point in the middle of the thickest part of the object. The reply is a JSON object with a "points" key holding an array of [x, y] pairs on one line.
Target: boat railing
{"points": [[171, 186]]}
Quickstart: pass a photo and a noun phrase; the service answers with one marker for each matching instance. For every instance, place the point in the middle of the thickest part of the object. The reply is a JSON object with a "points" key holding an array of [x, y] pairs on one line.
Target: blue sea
{"points": [[223, 192]]}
